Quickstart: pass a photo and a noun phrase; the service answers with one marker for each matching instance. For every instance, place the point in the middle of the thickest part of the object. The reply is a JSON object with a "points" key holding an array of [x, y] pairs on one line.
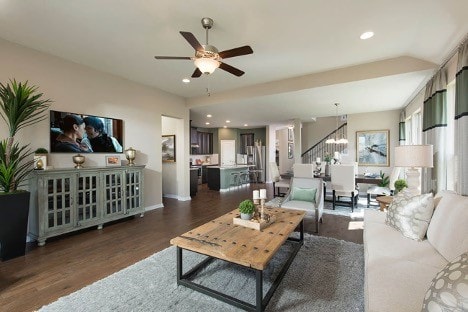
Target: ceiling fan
{"points": [[207, 58]]}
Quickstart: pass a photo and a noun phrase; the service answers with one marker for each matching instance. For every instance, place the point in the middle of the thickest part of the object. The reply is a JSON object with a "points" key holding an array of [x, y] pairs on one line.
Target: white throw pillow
{"points": [[449, 288], [410, 214], [448, 230]]}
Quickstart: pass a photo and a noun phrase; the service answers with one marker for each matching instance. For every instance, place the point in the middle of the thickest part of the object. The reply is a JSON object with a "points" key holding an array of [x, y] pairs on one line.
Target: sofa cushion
{"points": [[396, 284], [303, 194], [299, 204], [383, 241], [448, 230], [411, 214], [449, 288]]}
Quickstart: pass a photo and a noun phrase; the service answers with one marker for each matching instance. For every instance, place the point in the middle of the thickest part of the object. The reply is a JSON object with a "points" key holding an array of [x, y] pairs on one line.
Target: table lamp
{"points": [[413, 156]]}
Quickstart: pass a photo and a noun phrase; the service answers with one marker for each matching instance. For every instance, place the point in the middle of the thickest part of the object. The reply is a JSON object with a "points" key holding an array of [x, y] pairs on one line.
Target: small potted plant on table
{"points": [[399, 185], [246, 209]]}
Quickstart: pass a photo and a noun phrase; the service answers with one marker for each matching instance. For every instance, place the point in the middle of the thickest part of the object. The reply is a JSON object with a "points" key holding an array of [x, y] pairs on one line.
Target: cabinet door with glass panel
{"points": [[134, 191], [112, 190], [56, 194], [87, 206]]}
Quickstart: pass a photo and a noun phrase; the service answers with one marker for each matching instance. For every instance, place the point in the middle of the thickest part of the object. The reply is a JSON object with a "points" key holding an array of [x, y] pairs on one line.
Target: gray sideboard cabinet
{"points": [[67, 200]]}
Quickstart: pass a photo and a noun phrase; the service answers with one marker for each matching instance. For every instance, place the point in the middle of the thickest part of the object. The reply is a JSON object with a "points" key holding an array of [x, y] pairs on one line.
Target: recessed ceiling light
{"points": [[225, 127], [245, 125], [367, 35], [186, 80], [228, 121], [209, 116], [207, 123]]}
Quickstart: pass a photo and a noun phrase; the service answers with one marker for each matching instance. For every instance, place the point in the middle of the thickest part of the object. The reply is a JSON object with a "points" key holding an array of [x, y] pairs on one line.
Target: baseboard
{"points": [[181, 198], [171, 196], [184, 198], [149, 208]]}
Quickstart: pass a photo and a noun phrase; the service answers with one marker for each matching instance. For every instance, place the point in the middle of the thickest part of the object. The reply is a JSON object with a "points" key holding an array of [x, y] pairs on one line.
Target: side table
{"points": [[384, 201]]}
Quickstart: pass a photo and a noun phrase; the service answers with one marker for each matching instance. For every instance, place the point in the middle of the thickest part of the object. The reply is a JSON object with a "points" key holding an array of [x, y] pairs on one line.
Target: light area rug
{"points": [[358, 212], [326, 275]]}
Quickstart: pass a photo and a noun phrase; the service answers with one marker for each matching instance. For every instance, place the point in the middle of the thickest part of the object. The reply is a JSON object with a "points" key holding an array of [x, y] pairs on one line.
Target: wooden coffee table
{"points": [[239, 245]]}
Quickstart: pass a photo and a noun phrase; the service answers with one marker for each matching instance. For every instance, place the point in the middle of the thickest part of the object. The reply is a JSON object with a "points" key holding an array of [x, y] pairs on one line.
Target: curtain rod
{"points": [[447, 59]]}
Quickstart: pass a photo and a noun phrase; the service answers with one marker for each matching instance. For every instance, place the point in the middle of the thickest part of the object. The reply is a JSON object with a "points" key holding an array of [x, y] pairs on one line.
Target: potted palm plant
{"points": [[20, 106]]}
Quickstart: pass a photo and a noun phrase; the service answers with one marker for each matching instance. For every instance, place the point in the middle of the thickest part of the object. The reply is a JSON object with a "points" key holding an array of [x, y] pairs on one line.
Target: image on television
{"points": [[78, 133]]}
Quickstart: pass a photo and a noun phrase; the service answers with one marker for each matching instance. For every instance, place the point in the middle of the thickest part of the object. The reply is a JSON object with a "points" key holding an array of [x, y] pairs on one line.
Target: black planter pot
{"points": [[14, 211]]}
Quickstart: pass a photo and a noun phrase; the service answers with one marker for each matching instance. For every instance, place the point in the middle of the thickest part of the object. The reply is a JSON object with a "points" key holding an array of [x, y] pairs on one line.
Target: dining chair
{"points": [[303, 170], [343, 184], [278, 182]]}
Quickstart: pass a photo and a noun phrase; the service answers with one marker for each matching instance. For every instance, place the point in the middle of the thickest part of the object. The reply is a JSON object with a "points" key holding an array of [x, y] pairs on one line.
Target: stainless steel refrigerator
{"points": [[256, 156]]}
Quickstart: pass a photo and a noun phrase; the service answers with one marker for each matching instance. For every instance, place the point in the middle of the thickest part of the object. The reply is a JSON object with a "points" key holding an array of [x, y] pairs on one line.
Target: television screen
{"points": [[78, 133]]}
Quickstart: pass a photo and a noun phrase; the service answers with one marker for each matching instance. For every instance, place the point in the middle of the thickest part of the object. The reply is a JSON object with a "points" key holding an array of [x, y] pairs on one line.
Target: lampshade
{"points": [[206, 65], [413, 156]]}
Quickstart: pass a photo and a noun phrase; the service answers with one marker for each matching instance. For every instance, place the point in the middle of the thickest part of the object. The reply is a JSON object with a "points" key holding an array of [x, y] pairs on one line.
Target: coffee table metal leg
{"points": [[259, 290], [179, 264]]}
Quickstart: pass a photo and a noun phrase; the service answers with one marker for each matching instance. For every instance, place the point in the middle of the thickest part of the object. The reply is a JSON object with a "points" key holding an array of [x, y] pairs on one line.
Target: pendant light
{"points": [[335, 140]]}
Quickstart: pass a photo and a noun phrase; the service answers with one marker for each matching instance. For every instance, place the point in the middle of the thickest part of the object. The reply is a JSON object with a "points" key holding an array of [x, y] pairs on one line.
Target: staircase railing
{"points": [[321, 148]]}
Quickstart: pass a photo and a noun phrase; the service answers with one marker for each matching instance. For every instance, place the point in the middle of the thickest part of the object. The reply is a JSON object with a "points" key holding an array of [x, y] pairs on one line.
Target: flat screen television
{"points": [[79, 133]]}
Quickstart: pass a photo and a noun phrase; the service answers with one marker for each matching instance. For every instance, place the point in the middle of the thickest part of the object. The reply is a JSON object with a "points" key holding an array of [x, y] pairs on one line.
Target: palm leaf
{"points": [[20, 106]]}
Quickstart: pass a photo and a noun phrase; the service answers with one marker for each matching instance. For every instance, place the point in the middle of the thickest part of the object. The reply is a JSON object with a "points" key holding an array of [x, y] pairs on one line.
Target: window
{"points": [[413, 128]]}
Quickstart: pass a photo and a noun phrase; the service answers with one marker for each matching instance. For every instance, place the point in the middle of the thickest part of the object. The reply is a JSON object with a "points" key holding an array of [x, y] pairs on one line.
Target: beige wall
{"points": [[387, 120], [172, 181], [285, 163], [79, 89], [313, 132]]}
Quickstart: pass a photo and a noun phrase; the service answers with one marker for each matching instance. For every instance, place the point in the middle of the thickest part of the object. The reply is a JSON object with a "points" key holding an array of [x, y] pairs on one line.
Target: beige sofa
{"points": [[398, 270]]}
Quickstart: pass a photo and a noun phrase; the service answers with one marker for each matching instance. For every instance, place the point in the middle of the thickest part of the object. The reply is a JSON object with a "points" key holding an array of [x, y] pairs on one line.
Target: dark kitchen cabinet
{"points": [[193, 136], [203, 144]]}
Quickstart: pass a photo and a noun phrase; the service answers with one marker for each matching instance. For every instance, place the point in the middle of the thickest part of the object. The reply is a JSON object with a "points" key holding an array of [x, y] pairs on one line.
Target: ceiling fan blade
{"points": [[236, 52], [192, 40], [173, 57], [231, 69], [197, 73]]}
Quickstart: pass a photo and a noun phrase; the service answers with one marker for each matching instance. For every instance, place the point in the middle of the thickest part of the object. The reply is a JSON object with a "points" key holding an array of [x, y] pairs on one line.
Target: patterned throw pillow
{"points": [[410, 214], [449, 288]]}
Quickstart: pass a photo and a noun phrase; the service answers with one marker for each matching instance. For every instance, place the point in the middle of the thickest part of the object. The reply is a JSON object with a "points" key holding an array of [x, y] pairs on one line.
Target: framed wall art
{"points": [[168, 148], [290, 150], [372, 148], [112, 161]]}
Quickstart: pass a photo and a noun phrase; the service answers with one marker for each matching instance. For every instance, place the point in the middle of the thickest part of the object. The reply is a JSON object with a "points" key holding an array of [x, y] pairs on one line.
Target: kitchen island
{"points": [[220, 178]]}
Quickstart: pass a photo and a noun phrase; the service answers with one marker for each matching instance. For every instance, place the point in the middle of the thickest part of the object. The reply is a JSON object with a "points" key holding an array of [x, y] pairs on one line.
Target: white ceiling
{"points": [[307, 53]]}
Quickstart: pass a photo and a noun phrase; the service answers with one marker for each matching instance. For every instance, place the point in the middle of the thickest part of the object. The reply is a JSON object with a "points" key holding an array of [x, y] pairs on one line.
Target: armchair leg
{"points": [[334, 199], [352, 201], [368, 200], [274, 190]]}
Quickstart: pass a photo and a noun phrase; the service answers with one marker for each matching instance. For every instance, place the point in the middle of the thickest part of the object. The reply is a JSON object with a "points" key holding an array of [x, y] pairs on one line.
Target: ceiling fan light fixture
{"points": [[206, 65]]}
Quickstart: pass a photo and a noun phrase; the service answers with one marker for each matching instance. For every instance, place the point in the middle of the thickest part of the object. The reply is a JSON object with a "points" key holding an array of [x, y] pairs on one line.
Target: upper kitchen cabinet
{"points": [[205, 142], [201, 143], [193, 136]]}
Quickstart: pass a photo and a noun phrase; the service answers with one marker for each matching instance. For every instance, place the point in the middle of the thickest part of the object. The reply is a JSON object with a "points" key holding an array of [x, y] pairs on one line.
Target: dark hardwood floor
{"points": [[68, 263]]}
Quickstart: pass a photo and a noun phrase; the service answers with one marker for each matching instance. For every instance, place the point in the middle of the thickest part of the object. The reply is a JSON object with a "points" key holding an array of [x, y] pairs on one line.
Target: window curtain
{"points": [[402, 128], [461, 121], [434, 131]]}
